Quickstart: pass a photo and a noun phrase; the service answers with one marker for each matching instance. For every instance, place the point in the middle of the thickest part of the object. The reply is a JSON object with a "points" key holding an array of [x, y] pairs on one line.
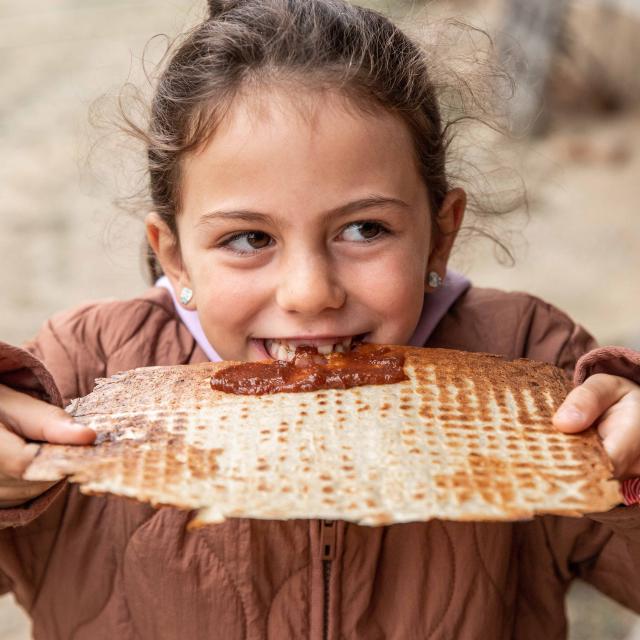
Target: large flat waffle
{"points": [[466, 437]]}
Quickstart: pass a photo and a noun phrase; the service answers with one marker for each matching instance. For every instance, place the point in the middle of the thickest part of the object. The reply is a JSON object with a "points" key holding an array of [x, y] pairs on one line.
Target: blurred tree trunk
{"points": [[531, 34]]}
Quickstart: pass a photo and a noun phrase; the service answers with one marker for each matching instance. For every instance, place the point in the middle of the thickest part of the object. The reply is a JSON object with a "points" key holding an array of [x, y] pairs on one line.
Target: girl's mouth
{"points": [[285, 348]]}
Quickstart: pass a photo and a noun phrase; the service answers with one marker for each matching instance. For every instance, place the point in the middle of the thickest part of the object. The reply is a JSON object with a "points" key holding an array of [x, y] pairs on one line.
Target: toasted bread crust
{"points": [[467, 437]]}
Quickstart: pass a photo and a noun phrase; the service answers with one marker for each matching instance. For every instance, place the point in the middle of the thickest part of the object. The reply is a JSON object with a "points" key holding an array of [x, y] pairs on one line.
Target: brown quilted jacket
{"points": [[106, 567]]}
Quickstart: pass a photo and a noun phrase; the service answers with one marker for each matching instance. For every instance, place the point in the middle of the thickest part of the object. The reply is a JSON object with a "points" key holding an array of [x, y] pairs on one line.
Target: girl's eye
{"points": [[363, 231], [248, 241]]}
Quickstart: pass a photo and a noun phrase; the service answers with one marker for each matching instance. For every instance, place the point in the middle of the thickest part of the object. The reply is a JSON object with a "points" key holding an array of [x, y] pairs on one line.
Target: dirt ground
{"points": [[64, 242]]}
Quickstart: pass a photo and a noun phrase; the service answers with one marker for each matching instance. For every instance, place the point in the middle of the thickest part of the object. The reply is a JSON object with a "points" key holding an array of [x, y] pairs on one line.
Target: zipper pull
{"points": [[328, 539]]}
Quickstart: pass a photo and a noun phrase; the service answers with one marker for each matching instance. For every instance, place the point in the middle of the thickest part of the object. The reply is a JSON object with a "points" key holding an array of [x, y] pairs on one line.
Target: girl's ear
{"points": [[165, 245], [447, 224]]}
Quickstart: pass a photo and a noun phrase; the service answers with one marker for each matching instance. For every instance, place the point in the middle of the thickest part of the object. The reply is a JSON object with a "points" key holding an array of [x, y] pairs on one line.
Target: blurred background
{"points": [[575, 119]]}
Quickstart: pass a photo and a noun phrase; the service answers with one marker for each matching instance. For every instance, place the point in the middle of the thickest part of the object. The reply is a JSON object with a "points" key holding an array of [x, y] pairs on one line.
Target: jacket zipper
{"points": [[328, 547]]}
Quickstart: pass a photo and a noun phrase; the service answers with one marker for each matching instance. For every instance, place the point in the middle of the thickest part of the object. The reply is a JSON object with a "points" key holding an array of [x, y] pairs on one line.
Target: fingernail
{"points": [[76, 426], [85, 433], [570, 414]]}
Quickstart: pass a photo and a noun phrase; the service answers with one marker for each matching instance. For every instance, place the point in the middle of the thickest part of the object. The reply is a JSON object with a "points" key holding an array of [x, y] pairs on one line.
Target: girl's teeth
{"points": [[275, 350], [286, 352]]}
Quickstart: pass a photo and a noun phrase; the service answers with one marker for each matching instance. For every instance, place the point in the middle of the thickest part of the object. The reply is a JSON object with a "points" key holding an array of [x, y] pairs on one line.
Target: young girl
{"points": [[297, 171]]}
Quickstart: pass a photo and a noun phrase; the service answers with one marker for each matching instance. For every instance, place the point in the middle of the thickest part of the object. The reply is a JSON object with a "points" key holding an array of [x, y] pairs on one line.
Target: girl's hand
{"points": [[613, 403], [24, 418]]}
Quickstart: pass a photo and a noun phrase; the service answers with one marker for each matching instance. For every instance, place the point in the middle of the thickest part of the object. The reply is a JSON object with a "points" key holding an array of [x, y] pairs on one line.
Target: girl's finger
{"points": [[586, 403], [620, 433], [619, 429], [15, 454], [37, 420]]}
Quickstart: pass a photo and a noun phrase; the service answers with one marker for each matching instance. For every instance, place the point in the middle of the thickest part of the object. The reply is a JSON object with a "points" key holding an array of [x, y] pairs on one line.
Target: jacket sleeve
{"points": [[23, 371], [59, 364], [603, 548]]}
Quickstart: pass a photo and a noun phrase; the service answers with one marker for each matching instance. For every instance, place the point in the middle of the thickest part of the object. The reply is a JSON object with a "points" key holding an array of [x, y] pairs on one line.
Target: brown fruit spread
{"points": [[311, 371]]}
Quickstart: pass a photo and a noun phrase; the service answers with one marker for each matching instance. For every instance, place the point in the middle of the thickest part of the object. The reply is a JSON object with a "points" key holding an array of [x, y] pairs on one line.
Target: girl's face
{"points": [[304, 222]]}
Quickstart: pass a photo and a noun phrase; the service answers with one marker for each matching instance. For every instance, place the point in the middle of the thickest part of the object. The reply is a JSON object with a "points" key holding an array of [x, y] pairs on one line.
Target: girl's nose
{"points": [[308, 285]]}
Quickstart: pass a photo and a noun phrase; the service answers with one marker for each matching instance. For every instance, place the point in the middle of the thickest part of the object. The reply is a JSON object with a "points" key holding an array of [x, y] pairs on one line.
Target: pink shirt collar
{"points": [[435, 307]]}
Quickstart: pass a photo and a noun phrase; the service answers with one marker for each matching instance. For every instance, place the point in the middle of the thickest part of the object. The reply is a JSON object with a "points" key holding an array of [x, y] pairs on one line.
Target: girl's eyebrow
{"points": [[247, 215]]}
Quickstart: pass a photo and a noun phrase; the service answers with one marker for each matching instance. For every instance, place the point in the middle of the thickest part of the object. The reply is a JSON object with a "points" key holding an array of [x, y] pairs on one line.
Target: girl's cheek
{"points": [[393, 276], [239, 296], [397, 288]]}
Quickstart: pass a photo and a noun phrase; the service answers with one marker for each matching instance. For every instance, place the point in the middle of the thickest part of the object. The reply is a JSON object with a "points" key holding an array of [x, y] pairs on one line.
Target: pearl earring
{"points": [[185, 295], [434, 280]]}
